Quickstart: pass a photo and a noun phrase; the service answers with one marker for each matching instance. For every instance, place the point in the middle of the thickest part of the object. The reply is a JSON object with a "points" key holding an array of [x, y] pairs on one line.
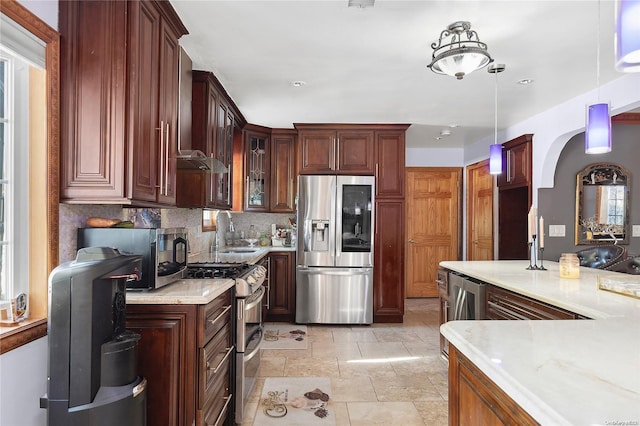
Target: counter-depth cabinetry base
{"points": [[184, 353]]}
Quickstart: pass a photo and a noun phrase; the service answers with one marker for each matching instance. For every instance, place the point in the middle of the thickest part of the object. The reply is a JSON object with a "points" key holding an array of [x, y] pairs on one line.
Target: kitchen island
{"points": [[573, 372]]}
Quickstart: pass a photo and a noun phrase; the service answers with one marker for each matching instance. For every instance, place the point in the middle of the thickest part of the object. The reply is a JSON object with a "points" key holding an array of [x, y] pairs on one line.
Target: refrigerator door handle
{"points": [[333, 271]]}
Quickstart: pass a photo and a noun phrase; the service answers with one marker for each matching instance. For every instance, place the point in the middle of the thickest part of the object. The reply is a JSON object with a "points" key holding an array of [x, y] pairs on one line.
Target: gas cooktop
{"points": [[216, 270]]}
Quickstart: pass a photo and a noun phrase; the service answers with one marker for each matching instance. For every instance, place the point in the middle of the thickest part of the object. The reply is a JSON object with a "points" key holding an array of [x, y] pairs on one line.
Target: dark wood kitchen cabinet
{"points": [[516, 162], [185, 353], [283, 174], [119, 121], [506, 305], [343, 149], [214, 120], [270, 169], [281, 298], [442, 282]]}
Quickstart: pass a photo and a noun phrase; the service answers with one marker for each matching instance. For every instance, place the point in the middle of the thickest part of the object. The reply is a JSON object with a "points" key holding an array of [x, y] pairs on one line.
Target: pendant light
{"points": [[597, 137], [627, 36], [495, 150]]}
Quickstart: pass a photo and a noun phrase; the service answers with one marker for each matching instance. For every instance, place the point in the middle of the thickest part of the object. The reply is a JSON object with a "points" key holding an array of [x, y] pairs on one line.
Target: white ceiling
{"points": [[370, 65]]}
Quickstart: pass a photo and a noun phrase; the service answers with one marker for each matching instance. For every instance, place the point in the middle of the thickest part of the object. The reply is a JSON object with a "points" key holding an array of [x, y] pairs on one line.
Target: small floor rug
{"points": [[284, 336], [295, 401]]}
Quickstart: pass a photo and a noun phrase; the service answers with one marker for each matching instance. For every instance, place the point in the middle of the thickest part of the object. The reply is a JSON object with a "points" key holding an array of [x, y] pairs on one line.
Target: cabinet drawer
{"points": [[504, 304], [214, 363], [216, 315], [217, 406], [442, 280]]}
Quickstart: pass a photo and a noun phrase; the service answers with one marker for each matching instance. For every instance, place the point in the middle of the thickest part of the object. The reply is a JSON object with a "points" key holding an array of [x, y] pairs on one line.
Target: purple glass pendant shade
{"points": [[627, 36], [495, 159], [598, 134]]}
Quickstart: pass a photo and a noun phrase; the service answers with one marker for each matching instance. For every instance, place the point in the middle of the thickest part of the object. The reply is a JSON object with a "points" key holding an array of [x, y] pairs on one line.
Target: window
{"points": [[29, 166]]}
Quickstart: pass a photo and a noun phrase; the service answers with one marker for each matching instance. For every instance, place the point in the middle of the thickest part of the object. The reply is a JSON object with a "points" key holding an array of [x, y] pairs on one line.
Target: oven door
{"points": [[249, 318], [247, 366]]}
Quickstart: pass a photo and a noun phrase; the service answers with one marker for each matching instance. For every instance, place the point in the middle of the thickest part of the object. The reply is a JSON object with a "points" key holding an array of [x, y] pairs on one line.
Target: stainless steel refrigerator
{"points": [[334, 272]]}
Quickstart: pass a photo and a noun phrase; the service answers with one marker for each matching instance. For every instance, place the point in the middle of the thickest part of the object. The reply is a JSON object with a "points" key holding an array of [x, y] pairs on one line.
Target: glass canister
{"points": [[569, 265]]}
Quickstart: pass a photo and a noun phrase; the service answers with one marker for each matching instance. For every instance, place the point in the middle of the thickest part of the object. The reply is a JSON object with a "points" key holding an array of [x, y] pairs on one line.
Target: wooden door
{"points": [[354, 152], [433, 225], [479, 212]]}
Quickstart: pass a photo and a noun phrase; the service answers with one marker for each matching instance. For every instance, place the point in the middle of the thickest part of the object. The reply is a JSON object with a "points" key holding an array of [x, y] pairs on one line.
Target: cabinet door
{"points": [[257, 176], [516, 163], [145, 133], [389, 163], [283, 173], [168, 112], [282, 287], [93, 92], [167, 359], [388, 280], [317, 152], [355, 152]]}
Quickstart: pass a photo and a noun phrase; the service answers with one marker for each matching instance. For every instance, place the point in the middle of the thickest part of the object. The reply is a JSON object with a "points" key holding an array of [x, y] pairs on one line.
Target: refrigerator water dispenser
{"points": [[319, 235]]}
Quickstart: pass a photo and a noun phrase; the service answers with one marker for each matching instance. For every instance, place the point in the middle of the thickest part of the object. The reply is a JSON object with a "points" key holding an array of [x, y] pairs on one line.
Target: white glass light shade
{"points": [[597, 137], [461, 63], [627, 36], [495, 159]]}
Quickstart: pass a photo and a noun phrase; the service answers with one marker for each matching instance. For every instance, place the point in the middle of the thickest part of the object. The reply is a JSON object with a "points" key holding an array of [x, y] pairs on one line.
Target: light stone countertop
{"points": [[182, 292], [564, 372], [200, 291]]}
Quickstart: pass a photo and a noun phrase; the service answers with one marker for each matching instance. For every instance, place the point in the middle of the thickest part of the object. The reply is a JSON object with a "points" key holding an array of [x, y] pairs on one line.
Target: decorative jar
{"points": [[569, 266]]}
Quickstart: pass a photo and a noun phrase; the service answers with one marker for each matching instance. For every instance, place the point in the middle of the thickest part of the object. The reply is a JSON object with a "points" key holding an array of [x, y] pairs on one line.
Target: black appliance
{"points": [[163, 251], [92, 359]]}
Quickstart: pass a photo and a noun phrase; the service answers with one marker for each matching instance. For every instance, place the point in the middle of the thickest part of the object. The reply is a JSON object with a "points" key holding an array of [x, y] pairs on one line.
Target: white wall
{"points": [[24, 370], [24, 381]]}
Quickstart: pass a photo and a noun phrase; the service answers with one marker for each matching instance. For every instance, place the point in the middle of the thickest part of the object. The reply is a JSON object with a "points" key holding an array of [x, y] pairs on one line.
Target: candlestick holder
{"points": [[541, 267], [532, 254]]}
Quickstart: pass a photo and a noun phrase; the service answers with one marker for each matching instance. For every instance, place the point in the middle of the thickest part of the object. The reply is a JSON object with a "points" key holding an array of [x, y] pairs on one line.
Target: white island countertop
{"points": [[564, 372]]}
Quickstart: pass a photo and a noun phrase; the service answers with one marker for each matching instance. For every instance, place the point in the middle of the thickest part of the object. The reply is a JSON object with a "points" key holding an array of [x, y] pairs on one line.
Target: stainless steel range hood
{"points": [[194, 160]]}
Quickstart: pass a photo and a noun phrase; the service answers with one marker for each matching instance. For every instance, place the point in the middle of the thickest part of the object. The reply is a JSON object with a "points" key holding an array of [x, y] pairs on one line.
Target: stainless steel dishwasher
{"points": [[467, 298]]}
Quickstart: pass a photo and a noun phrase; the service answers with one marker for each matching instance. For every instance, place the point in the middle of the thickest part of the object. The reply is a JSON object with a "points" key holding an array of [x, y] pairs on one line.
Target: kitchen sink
{"points": [[238, 250]]}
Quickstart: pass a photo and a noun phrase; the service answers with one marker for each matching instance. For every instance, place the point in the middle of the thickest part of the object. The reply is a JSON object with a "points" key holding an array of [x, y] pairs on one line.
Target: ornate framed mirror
{"points": [[602, 204]]}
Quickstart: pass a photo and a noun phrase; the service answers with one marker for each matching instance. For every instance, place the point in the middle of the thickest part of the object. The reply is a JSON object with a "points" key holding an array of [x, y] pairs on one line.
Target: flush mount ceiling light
{"points": [[361, 3], [459, 51], [627, 36]]}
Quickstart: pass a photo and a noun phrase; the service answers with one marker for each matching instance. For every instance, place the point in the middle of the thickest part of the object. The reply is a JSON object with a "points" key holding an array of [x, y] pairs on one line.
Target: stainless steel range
{"points": [[249, 324]]}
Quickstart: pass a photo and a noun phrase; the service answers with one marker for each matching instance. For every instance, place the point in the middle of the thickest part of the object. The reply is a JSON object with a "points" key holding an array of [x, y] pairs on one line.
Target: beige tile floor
{"points": [[381, 374]]}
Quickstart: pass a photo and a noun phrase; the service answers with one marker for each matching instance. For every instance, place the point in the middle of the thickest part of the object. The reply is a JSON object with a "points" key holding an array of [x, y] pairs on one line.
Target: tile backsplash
{"points": [[74, 216]]}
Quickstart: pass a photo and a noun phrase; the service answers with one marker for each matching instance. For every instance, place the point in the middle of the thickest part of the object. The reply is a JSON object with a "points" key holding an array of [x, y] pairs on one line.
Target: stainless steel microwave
{"points": [[163, 251]]}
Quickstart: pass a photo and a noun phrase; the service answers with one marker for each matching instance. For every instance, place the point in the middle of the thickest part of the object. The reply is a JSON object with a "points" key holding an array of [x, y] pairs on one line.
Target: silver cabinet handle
{"points": [[246, 182], [222, 361], [161, 155], [226, 309], [411, 240], [224, 409], [268, 283], [166, 164]]}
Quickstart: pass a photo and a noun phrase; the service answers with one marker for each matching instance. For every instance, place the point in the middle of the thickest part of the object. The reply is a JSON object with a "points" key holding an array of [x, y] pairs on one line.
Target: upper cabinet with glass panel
{"points": [[602, 204]]}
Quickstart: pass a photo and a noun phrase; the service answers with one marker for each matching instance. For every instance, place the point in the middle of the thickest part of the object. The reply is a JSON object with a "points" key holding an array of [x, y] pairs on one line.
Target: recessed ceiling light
{"points": [[525, 81], [453, 126], [445, 132], [437, 138], [298, 83]]}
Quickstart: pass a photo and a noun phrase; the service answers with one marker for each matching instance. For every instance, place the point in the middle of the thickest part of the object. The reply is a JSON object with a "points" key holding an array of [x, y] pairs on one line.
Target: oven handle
{"points": [[258, 294], [255, 350], [226, 309], [224, 358]]}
